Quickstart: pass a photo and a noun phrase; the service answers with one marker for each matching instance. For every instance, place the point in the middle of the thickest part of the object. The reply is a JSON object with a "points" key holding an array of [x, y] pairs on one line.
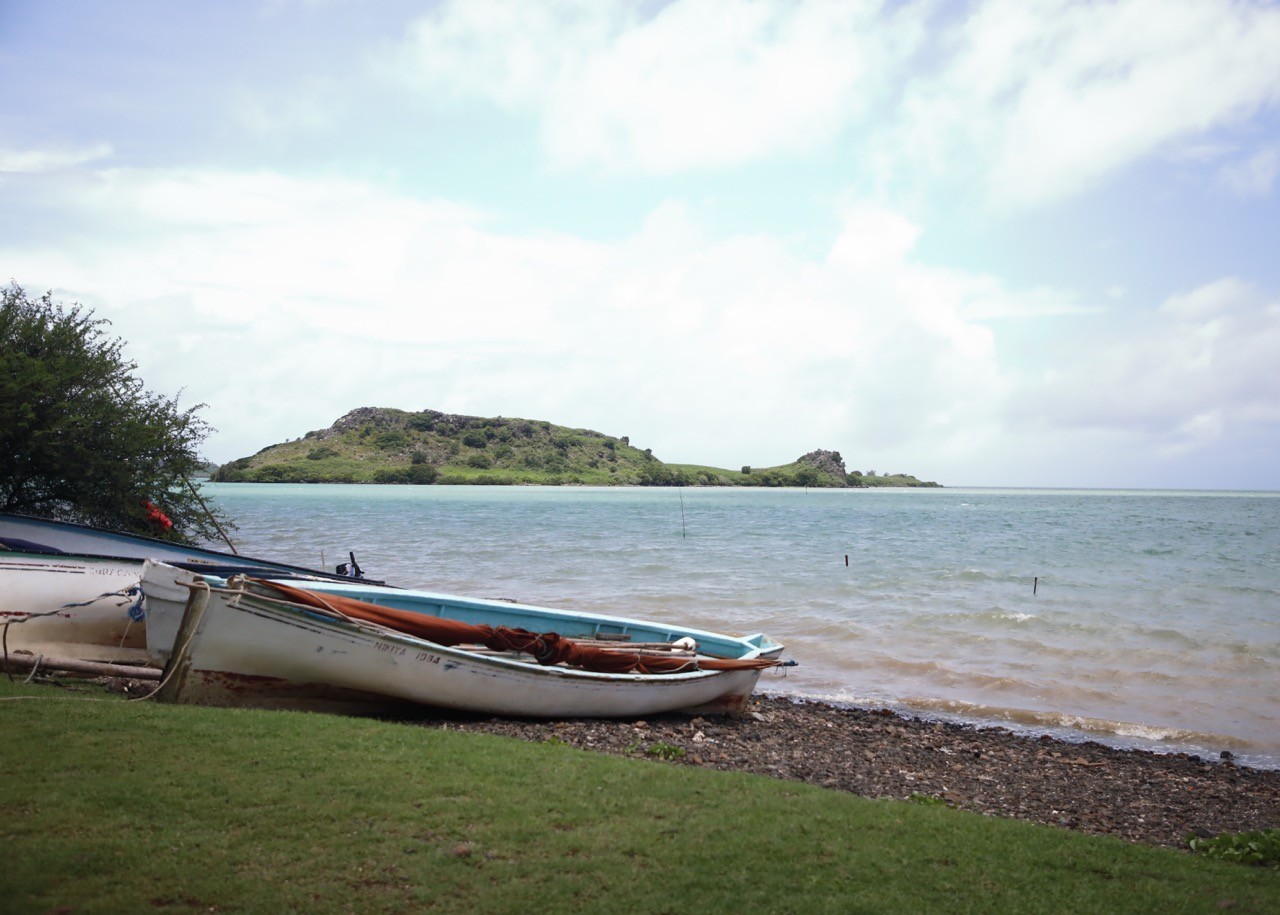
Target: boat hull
{"points": [[87, 608]]}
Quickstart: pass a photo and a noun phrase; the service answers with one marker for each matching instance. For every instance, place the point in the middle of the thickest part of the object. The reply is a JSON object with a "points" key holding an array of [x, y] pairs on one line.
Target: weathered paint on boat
{"points": [[246, 649], [87, 607]]}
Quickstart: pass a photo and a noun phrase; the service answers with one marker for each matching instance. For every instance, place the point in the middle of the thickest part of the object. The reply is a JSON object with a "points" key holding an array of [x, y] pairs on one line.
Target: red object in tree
{"points": [[157, 518]]}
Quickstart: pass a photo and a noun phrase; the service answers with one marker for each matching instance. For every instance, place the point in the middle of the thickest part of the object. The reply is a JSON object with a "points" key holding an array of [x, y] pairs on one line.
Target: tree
{"points": [[807, 476], [81, 439]]}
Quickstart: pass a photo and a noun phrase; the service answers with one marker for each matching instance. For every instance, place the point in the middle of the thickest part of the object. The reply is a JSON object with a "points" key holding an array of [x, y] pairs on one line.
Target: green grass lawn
{"points": [[115, 806]]}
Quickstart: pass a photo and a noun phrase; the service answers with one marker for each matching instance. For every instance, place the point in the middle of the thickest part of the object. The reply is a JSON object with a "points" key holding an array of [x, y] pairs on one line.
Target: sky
{"points": [[990, 243]]}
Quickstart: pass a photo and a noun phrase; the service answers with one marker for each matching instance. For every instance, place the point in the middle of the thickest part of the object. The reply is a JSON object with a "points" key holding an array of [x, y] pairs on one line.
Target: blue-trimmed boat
{"points": [[349, 646]]}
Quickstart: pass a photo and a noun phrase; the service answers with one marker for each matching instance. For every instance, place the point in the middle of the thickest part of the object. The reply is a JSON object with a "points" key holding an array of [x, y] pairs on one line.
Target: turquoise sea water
{"points": [[1145, 619]]}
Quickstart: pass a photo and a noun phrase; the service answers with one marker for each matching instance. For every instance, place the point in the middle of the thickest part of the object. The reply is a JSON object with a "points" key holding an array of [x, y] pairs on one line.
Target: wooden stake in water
{"points": [[683, 534], [1035, 585], [212, 517]]}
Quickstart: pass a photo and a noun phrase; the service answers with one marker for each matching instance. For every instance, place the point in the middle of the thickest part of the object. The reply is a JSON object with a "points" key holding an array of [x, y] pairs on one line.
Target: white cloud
{"points": [[284, 303], [699, 83], [1028, 103], [1256, 175], [714, 84], [32, 161], [1199, 368], [310, 107], [1043, 100]]}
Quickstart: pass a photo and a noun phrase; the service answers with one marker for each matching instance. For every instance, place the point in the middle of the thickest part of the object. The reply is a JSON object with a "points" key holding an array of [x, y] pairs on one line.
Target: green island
{"points": [[384, 445]]}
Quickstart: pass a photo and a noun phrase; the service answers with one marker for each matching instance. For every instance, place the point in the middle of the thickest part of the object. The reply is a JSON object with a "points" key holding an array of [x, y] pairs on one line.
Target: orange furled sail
{"points": [[546, 648]]}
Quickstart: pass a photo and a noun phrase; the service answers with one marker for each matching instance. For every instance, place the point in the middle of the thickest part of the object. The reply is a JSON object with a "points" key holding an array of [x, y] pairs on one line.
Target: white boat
{"points": [[89, 607], [331, 647]]}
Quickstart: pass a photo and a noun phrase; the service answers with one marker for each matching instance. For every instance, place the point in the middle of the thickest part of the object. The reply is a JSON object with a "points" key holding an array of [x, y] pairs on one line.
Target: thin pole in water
{"points": [[195, 492], [1035, 585], [683, 533]]}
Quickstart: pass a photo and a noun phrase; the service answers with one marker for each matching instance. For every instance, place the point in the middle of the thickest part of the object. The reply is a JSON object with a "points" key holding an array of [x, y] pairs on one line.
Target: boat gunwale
{"points": [[756, 642], [374, 632]]}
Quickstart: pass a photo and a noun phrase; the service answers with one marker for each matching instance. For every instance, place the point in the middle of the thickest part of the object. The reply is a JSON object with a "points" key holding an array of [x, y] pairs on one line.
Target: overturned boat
{"points": [[352, 647]]}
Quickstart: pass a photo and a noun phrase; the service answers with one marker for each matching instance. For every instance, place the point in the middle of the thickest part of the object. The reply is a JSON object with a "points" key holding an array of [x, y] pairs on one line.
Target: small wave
{"points": [[1124, 732], [977, 622], [973, 575], [1013, 617], [1171, 636], [1152, 732], [943, 675], [1125, 735]]}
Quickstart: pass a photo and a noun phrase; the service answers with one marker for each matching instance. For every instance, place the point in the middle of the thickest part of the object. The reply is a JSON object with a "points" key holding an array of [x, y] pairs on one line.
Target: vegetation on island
{"points": [[383, 445], [81, 439]]}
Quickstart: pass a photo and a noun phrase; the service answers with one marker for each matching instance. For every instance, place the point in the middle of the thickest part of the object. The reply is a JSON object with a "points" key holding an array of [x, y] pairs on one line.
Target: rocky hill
{"points": [[382, 445]]}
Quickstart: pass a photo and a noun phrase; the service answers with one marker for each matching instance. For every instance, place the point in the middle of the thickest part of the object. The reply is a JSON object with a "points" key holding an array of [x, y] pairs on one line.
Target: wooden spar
{"points": [[175, 672], [77, 666], [628, 646], [642, 652], [211, 517]]}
